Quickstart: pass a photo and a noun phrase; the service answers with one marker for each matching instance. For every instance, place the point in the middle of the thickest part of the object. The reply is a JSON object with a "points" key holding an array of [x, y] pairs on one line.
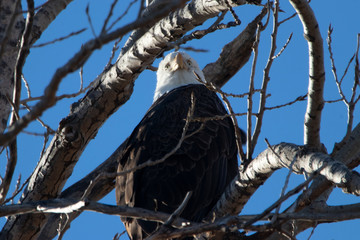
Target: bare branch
{"points": [[285, 45], [67, 206], [298, 99], [237, 20], [103, 29], [261, 168], [119, 18], [350, 104], [333, 67], [59, 39], [266, 79], [212, 87], [249, 144], [89, 20], [114, 49], [172, 218], [349, 154], [316, 73], [17, 190], [282, 199], [49, 130], [198, 34], [217, 117], [26, 86], [287, 19]]}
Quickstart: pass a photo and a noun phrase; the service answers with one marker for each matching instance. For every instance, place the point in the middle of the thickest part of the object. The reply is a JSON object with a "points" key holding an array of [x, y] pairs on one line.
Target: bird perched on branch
{"points": [[181, 145]]}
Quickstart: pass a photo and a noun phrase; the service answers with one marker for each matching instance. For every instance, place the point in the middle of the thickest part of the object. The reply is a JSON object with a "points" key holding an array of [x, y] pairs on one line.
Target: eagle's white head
{"points": [[175, 70]]}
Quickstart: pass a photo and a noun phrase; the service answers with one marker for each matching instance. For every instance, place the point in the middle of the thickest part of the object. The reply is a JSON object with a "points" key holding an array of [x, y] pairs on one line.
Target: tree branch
{"points": [[349, 154], [316, 73], [265, 81], [261, 168]]}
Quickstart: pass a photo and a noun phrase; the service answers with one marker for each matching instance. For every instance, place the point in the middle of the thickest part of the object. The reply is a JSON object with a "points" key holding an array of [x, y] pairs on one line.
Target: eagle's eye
{"points": [[189, 62], [167, 66]]}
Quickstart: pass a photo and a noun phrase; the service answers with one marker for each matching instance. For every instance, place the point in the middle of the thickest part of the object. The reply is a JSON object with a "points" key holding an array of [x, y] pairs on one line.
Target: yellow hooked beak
{"points": [[179, 62]]}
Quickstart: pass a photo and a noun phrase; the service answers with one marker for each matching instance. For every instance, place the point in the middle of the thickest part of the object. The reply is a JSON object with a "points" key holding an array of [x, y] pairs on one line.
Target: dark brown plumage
{"points": [[205, 162]]}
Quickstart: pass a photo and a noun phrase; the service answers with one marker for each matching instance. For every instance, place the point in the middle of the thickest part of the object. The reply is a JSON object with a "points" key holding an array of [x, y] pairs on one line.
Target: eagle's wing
{"points": [[204, 164]]}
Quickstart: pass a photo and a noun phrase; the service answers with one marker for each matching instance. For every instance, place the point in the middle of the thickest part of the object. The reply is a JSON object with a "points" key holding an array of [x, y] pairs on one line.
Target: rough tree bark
{"points": [[10, 32]]}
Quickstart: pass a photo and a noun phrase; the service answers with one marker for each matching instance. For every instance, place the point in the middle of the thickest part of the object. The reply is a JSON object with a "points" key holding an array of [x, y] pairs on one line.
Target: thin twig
{"points": [[59, 39], [298, 99], [35, 9], [122, 15], [333, 66], [198, 34], [287, 19], [118, 235], [251, 92], [47, 127], [103, 29], [113, 51], [350, 104], [26, 86], [266, 79], [17, 191], [237, 20], [172, 217], [284, 47], [235, 122], [33, 133], [58, 98], [283, 198], [226, 101], [62, 225], [217, 117], [46, 139], [312, 231], [15, 113], [87, 9], [333, 101]]}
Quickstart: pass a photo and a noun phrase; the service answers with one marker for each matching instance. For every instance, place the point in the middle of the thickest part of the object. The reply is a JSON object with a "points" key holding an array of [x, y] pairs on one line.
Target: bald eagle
{"points": [[205, 162]]}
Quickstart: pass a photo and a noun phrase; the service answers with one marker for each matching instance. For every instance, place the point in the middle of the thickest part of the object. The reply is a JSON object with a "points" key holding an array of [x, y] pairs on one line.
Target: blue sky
{"points": [[289, 79]]}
